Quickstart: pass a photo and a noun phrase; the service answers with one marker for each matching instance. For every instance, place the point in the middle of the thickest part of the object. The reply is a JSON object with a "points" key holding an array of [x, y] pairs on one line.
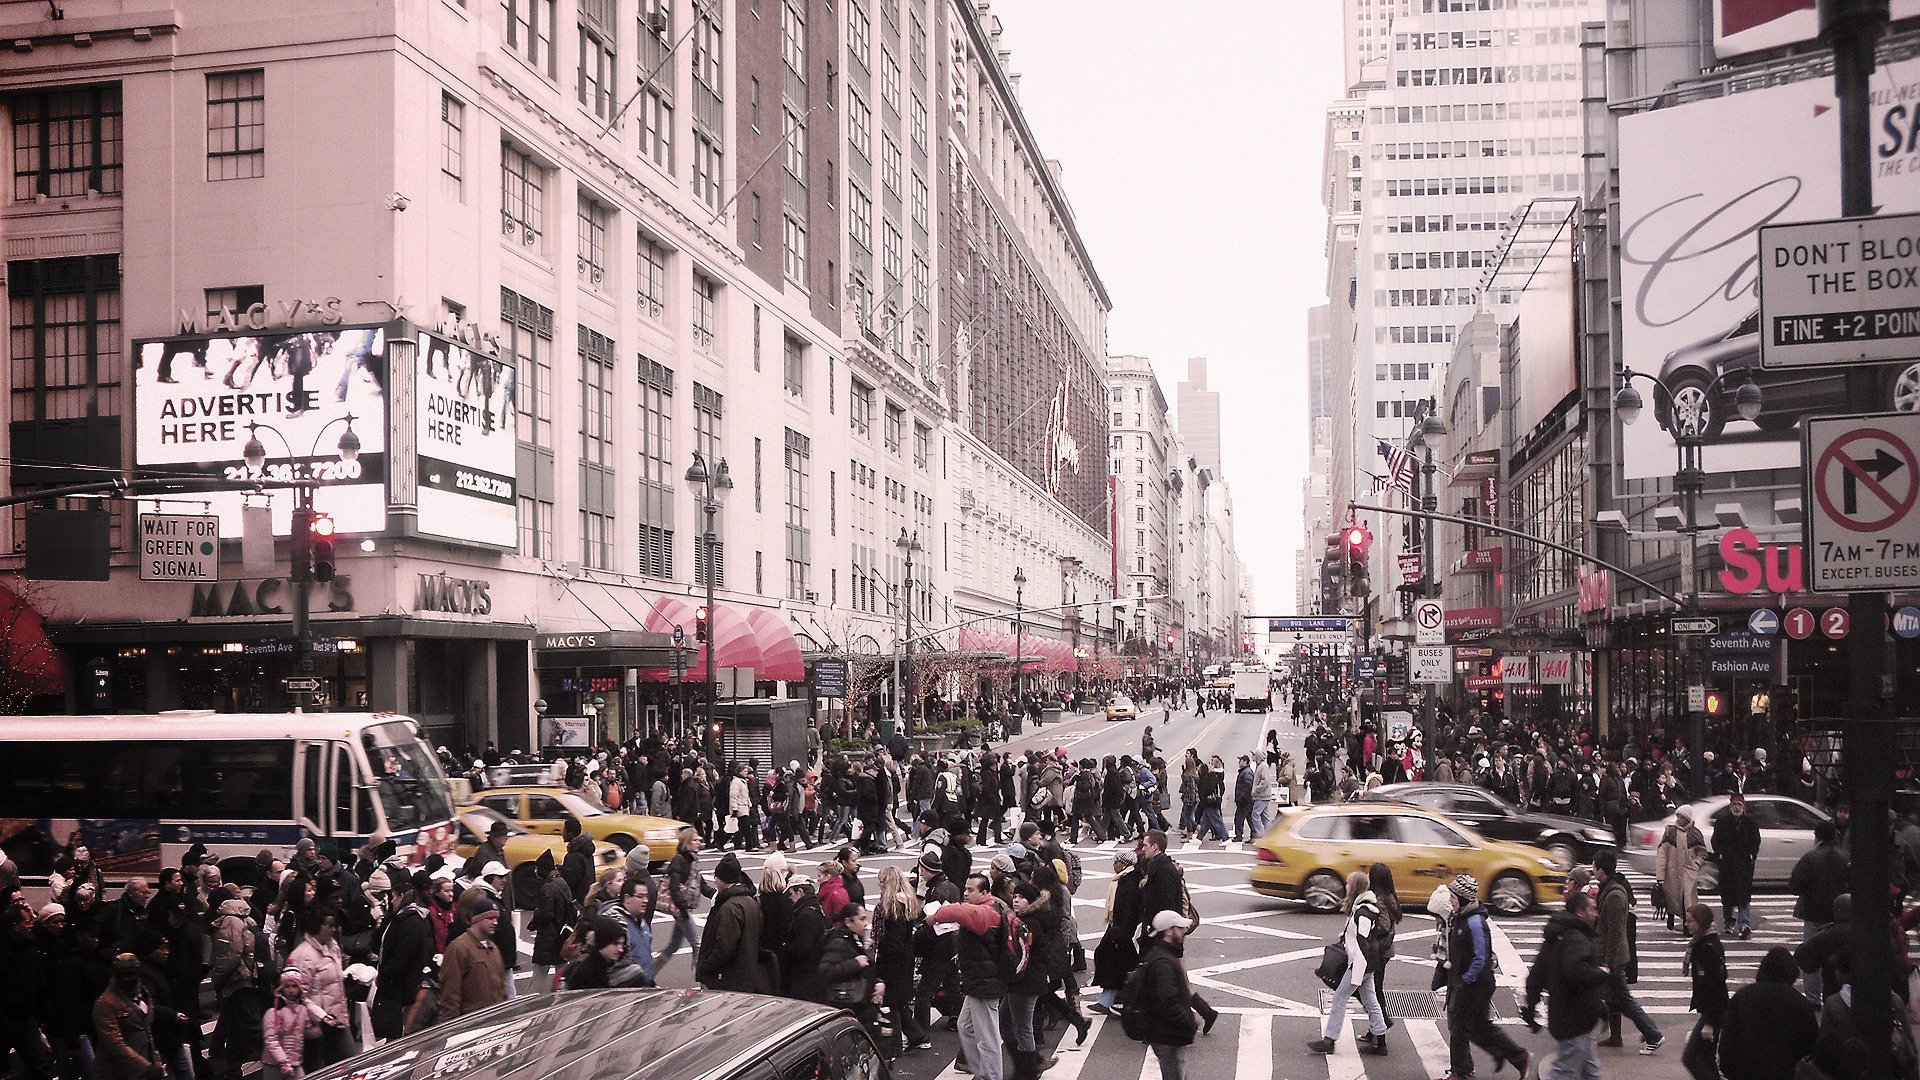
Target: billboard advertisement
{"points": [[1748, 26], [1689, 251], [465, 440], [1548, 368], [195, 400]]}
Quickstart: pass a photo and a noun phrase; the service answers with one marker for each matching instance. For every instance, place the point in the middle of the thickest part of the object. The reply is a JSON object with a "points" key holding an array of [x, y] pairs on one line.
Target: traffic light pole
{"points": [[300, 576]]}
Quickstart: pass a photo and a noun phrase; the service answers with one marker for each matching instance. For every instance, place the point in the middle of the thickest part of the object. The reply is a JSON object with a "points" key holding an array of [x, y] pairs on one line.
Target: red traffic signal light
{"points": [[322, 525], [1358, 539], [700, 623], [320, 545]]}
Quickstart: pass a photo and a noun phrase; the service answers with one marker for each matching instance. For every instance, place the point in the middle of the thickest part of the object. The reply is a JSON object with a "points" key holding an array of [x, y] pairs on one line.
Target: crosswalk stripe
{"points": [[1430, 1044], [1255, 1058], [1071, 1058], [1344, 1063]]}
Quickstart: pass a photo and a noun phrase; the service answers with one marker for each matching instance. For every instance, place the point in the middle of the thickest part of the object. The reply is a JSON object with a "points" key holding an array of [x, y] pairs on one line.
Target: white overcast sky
{"points": [[1190, 136]]}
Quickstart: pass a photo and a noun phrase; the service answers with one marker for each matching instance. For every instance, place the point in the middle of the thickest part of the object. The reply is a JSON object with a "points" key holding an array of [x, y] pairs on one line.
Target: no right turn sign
{"points": [[1863, 483], [1429, 623]]}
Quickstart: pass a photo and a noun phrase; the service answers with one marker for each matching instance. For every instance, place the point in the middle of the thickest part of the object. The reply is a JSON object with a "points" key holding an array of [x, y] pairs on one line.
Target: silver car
{"points": [[1786, 833]]}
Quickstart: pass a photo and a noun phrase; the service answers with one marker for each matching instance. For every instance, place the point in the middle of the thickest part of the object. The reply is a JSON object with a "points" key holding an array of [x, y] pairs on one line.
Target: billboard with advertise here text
{"points": [[196, 401], [464, 434], [1697, 183]]}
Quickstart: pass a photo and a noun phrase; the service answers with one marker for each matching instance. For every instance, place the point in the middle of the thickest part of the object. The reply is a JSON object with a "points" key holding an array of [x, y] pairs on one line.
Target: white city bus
{"points": [[140, 790]]}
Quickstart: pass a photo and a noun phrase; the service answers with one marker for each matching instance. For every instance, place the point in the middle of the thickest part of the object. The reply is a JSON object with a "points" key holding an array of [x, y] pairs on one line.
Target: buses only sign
{"points": [[1863, 480]]}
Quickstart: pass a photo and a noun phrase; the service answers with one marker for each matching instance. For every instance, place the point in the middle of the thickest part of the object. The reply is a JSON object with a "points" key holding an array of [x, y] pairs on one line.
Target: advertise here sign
{"points": [[195, 401], [466, 444]]}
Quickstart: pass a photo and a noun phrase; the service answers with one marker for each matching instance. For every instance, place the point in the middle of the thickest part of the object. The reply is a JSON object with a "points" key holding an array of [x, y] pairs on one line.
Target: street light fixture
{"points": [[1019, 635], [903, 687], [711, 488], [1432, 435], [300, 537]]}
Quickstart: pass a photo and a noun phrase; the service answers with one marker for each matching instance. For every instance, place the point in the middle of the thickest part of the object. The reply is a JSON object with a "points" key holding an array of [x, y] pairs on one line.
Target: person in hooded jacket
{"points": [[1470, 984], [553, 917], [1769, 1025], [235, 974], [1566, 970], [846, 970], [407, 948], [577, 868], [323, 965], [806, 938], [604, 965], [1706, 964], [729, 953]]}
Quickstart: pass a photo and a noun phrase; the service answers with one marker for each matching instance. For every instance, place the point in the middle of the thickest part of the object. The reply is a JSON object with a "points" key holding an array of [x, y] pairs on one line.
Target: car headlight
{"points": [[1549, 863], [661, 835], [1599, 835]]}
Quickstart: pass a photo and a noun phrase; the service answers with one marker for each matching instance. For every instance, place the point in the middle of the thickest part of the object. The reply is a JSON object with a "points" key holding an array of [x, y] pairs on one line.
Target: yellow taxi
{"points": [[1122, 708], [546, 810], [1309, 852], [473, 824]]}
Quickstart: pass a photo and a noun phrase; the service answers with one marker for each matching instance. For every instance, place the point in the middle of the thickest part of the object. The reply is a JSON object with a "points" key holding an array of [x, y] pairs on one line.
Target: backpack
{"points": [[1074, 875], [1012, 947], [1135, 1019]]}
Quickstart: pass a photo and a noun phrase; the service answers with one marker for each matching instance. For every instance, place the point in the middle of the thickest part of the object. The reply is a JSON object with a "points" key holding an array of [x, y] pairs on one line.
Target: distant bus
{"points": [[138, 791]]}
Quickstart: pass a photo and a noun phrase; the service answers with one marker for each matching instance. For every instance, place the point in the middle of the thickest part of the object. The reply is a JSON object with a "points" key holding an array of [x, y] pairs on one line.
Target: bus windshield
{"points": [[407, 778]]}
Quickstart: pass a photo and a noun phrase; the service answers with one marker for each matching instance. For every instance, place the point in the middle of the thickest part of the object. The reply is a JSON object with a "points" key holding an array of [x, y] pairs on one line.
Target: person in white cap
{"points": [[1158, 1012], [491, 884]]}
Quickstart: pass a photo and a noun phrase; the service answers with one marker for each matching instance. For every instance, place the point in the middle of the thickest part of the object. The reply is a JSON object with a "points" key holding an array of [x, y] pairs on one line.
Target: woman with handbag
{"points": [[1356, 943], [896, 916], [846, 968]]}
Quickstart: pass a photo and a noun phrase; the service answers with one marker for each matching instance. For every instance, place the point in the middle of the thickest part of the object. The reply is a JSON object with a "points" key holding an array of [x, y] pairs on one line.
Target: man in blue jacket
{"points": [[1471, 972]]}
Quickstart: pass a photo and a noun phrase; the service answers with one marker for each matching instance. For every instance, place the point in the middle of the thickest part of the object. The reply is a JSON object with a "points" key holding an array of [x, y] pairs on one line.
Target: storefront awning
{"points": [[1037, 653], [748, 637], [31, 665]]}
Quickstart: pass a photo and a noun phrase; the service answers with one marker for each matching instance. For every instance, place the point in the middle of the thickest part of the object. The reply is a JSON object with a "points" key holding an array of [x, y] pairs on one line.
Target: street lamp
{"points": [[1432, 436], [1693, 414], [1019, 634], [904, 687], [710, 487], [300, 539]]}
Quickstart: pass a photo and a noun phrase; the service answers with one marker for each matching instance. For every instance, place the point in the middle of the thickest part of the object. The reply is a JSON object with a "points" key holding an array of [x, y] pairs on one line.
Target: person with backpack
{"points": [[1213, 794], [1363, 918], [984, 951], [1471, 972], [1574, 980], [1086, 804], [1157, 994]]}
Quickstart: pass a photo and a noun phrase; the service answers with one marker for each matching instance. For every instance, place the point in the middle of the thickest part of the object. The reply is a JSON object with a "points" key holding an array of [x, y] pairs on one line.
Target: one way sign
{"points": [[1863, 476]]}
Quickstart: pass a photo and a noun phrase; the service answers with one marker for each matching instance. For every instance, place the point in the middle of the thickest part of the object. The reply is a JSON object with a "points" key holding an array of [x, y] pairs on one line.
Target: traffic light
{"points": [[1169, 639], [700, 623], [321, 546], [1356, 539]]}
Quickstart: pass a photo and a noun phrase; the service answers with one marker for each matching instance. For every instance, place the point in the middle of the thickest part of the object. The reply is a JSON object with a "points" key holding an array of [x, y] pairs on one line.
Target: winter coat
{"points": [[1166, 994], [893, 947], [471, 977], [23, 979], [1819, 876], [1470, 948], [1566, 969], [323, 967], [1163, 887], [1707, 964], [74, 984], [776, 923], [1047, 959], [286, 1027], [577, 870], [1769, 1025], [730, 949], [234, 964], [406, 951], [1362, 921], [980, 933], [553, 916], [1681, 851], [1736, 840], [123, 1037], [1614, 947], [847, 982], [1116, 956], [800, 960], [833, 896]]}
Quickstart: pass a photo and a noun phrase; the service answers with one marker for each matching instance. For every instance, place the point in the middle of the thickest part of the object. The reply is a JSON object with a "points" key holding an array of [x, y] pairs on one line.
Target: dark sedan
{"points": [[1569, 840]]}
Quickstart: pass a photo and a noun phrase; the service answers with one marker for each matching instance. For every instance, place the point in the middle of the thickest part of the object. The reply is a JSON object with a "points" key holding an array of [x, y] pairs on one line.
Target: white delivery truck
{"points": [[1252, 690]]}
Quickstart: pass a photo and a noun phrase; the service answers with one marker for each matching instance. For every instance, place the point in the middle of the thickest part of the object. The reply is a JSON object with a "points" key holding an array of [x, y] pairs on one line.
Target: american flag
{"points": [[1399, 464]]}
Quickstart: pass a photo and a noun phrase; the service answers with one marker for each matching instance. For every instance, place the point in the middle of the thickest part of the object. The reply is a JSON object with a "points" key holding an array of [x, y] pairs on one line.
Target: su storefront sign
{"points": [[1752, 566]]}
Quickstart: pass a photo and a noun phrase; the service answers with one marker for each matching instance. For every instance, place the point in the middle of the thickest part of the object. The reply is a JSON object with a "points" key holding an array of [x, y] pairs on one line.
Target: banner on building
{"points": [[466, 445], [1750, 26], [1555, 669], [196, 401], [1696, 185]]}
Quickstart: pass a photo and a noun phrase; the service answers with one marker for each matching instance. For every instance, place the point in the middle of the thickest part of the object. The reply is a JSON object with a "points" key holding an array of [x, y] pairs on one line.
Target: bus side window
{"points": [[313, 759], [343, 790]]}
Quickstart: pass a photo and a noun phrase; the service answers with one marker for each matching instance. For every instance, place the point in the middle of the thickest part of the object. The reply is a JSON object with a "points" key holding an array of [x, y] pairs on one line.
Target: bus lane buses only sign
{"points": [[1863, 480]]}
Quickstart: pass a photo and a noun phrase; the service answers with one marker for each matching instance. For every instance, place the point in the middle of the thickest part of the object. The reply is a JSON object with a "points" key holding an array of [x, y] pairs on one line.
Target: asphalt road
{"points": [[1253, 957]]}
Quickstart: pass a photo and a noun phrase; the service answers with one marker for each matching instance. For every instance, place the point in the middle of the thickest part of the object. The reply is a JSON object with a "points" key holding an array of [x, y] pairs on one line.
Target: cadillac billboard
{"points": [[1697, 183], [465, 440], [198, 401]]}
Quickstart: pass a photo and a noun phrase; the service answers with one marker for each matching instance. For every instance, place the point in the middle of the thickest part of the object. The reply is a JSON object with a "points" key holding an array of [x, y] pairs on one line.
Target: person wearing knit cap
{"points": [[1471, 972], [729, 954]]}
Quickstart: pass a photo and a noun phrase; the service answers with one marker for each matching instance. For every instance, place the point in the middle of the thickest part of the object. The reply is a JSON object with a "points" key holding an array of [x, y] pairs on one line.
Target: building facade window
{"points": [[861, 224], [922, 284], [591, 262], [706, 300], [859, 125], [530, 26], [453, 122], [656, 469], [794, 366], [526, 342], [895, 431], [922, 445], [795, 245], [597, 500], [793, 38], [656, 127], [858, 32], [708, 165], [794, 134], [919, 201], [66, 141], [890, 256], [799, 556], [860, 409], [917, 123], [236, 125], [889, 80], [890, 163], [650, 276], [522, 196], [65, 338], [706, 48]]}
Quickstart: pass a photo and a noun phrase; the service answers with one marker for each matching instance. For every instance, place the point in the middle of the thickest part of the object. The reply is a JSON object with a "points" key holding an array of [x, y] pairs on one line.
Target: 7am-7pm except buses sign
{"points": [[1863, 483]]}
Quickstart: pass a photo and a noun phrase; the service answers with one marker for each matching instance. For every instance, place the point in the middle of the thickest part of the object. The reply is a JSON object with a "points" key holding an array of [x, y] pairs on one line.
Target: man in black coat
{"points": [[1819, 876], [1165, 994], [1736, 841], [406, 951], [1163, 884], [1770, 1025], [1567, 971]]}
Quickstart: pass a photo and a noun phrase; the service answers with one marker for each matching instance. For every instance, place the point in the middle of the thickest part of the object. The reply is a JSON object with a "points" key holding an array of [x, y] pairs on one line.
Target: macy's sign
{"points": [[1751, 566]]}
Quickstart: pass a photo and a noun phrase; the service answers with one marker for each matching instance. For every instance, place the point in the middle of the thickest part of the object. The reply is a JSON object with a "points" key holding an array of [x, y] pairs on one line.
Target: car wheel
{"points": [[622, 841], [1694, 410], [1511, 894], [1323, 892], [1563, 853], [1903, 393]]}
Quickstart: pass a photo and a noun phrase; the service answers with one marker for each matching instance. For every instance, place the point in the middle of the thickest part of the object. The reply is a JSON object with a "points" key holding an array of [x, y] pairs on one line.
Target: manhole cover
{"points": [[1419, 1004]]}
